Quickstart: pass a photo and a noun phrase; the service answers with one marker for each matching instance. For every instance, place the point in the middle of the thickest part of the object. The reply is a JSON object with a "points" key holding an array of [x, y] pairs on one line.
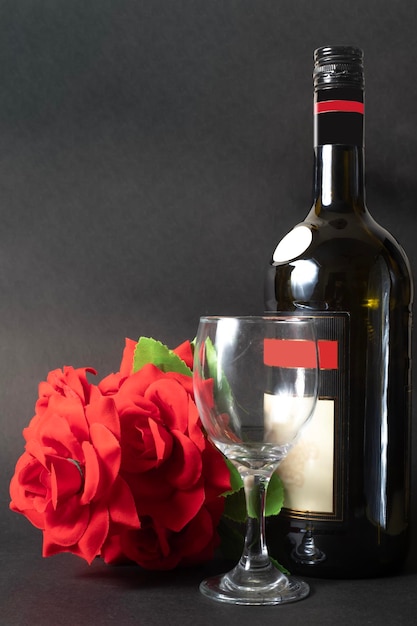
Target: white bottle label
{"points": [[314, 472], [307, 471]]}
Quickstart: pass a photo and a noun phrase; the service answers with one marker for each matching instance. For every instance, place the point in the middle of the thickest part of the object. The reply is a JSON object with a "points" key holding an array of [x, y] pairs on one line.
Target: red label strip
{"points": [[328, 354], [347, 106], [299, 353]]}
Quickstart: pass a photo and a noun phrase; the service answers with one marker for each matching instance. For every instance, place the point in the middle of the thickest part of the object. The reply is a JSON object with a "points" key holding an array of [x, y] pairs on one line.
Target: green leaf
{"points": [[236, 481], [235, 505], [149, 350], [236, 508], [279, 566], [274, 496]]}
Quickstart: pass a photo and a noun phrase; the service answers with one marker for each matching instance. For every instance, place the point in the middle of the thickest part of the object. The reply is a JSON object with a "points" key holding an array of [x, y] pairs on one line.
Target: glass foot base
{"points": [[281, 591]]}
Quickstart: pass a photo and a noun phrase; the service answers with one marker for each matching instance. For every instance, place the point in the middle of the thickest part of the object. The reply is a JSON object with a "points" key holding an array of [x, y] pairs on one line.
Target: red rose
{"points": [[122, 469], [68, 382], [67, 482], [155, 547], [175, 474], [163, 447]]}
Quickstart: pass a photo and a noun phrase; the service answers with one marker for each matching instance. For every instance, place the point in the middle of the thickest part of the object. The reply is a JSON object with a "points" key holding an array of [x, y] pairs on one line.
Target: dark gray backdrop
{"points": [[153, 152]]}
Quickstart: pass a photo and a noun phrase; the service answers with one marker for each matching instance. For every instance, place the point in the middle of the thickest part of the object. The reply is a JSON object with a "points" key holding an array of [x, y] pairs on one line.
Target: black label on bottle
{"points": [[314, 472], [338, 117]]}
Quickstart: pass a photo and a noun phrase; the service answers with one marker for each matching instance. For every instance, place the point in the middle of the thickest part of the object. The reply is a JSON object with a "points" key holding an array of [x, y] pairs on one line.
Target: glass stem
{"points": [[255, 551]]}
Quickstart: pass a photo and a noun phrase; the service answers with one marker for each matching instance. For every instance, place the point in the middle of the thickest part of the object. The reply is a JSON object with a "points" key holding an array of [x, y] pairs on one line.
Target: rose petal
{"points": [[216, 472], [137, 384], [110, 384], [133, 388], [185, 352], [89, 543], [72, 411], [35, 517], [186, 505], [55, 439], [195, 428], [163, 441], [172, 401], [150, 548], [67, 382], [143, 487], [91, 473], [130, 404], [185, 463], [29, 471], [126, 365], [23, 500], [66, 525], [108, 451], [122, 507], [103, 411], [112, 551], [185, 381], [195, 536], [89, 546], [173, 510], [66, 479]]}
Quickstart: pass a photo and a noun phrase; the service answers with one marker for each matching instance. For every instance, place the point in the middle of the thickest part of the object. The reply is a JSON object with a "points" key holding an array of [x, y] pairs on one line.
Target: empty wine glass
{"points": [[255, 384]]}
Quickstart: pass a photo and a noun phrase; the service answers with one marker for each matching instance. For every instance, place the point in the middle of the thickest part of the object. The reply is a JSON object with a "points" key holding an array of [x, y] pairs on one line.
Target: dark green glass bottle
{"points": [[347, 480]]}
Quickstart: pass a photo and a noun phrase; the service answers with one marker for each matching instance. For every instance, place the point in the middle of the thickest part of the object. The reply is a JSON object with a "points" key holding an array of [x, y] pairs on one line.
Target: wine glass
{"points": [[255, 384]]}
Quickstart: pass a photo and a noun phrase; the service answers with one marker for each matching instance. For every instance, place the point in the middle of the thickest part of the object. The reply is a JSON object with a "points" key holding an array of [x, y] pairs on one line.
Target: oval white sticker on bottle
{"points": [[293, 244]]}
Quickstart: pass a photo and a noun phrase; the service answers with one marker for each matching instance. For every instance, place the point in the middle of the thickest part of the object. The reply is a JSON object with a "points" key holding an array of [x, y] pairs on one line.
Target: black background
{"points": [[152, 154]]}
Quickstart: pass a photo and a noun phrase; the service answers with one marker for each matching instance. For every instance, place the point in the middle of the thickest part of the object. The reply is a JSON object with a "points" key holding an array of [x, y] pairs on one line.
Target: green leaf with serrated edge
{"points": [[149, 350], [236, 507]]}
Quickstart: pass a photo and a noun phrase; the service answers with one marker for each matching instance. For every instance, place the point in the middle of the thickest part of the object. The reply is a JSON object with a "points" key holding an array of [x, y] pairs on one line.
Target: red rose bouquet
{"points": [[123, 469]]}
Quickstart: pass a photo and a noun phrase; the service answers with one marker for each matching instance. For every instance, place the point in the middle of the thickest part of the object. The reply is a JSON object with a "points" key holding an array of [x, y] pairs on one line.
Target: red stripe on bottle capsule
{"points": [[346, 106], [300, 353]]}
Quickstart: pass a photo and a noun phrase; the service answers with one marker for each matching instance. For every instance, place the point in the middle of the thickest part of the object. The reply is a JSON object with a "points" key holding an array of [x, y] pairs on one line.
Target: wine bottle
{"points": [[347, 480]]}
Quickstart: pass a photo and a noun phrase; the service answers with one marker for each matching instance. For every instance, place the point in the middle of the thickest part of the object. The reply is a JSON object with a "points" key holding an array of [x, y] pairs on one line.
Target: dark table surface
{"points": [[65, 591]]}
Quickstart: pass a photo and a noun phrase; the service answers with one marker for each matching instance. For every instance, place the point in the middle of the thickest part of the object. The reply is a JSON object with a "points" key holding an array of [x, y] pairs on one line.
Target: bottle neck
{"points": [[339, 179], [338, 150]]}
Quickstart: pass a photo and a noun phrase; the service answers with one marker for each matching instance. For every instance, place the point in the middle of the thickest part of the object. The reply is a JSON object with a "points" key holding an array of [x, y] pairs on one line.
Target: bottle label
{"points": [[313, 472]]}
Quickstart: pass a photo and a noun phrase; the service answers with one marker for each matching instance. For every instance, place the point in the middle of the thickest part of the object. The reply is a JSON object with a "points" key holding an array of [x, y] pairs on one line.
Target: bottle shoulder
{"points": [[334, 263], [342, 238]]}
